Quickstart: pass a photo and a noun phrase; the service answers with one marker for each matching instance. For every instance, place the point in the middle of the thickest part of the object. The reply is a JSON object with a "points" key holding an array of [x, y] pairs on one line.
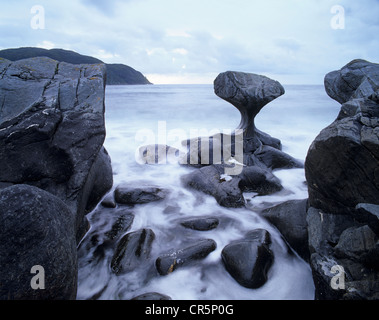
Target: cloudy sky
{"points": [[192, 41]]}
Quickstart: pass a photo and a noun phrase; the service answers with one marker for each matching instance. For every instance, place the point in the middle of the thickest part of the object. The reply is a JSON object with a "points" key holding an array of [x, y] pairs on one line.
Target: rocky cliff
{"points": [[54, 170], [342, 171]]}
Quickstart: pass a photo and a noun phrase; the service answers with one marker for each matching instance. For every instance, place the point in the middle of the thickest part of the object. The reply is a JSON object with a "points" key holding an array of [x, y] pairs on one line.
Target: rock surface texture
{"points": [[51, 137], [342, 171]]}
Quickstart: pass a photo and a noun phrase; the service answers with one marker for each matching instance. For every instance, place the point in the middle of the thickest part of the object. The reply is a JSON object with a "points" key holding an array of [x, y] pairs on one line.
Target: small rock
{"points": [[290, 218], [276, 159], [248, 260], [208, 180], [121, 225], [261, 181], [168, 263], [109, 201], [201, 224], [127, 194], [132, 250]]}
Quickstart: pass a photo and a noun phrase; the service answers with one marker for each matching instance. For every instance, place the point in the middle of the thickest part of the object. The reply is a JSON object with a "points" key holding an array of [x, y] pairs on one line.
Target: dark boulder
{"points": [[290, 218], [138, 193], [201, 224], [132, 250], [209, 180], [259, 180], [358, 79], [273, 158], [248, 260], [36, 229], [169, 262], [52, 130], [342, 171]]}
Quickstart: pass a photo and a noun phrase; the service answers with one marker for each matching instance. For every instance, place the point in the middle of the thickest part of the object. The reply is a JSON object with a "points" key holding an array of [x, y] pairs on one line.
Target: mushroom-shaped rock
{"points": [[249, 93]]}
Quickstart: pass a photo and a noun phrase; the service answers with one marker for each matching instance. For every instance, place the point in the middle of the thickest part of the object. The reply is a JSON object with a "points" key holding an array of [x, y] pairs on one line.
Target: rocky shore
{"points": [[56, 172]]}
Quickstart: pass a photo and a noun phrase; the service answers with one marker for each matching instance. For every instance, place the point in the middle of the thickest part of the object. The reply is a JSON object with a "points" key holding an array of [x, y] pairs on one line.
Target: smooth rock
{"points": [[201, 224], [36, 229], [290, 218], [248, 260], [138, 193], [259, 180], [273, 158], [208, 180], [169, 262], [132, 250]]}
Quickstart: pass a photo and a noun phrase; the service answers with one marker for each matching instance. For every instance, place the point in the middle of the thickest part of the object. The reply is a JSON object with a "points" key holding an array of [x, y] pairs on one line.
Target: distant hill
{"points": [[117, 74]]}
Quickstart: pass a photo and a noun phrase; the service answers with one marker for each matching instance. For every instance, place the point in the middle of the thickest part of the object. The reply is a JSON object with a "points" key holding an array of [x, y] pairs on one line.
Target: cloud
{"points": [[207, 37]]}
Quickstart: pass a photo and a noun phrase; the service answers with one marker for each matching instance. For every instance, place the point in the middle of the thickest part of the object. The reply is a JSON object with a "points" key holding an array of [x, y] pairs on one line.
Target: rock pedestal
{"points": [[249, 93]]}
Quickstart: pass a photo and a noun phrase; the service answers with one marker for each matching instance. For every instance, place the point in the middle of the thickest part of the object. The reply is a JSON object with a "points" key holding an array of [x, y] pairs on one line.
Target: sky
{"points": [[192, 41]]}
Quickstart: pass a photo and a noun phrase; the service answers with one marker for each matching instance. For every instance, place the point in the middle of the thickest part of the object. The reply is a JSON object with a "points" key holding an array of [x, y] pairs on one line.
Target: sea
{"points": [[168, 114]]}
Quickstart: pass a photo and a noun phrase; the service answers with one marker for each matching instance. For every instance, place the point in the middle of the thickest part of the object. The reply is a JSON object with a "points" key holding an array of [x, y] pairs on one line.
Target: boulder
{"points": [[358, 79], [201, 224], [36, 229], [342, 171], [209, 180], [290, 218], [167, 263], [138, 193], [273, 158], [259, 180], [132, 250], [248, 260], [52, 130]]}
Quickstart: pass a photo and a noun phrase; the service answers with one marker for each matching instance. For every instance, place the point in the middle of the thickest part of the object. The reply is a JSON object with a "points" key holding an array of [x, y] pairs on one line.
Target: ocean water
{"points": [[168, 114]]}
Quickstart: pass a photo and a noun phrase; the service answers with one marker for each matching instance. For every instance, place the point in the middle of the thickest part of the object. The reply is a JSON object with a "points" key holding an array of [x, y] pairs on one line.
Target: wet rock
{"points": [[273, 158], [248, 260], [109, 201], [201, 224], [136, 193], [121, 225], [169, 262], [208, 180], [259, 180], [36, 229], [290, 218], [132, 250]]}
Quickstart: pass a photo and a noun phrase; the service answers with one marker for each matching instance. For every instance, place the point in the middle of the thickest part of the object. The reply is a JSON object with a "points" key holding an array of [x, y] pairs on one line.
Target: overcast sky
{"points": [[192, 41]]}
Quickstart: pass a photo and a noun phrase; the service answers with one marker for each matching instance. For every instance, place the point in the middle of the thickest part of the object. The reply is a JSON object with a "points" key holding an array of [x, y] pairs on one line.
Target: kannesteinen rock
{"points": [[342, 171], [51, 138], [230, 164]]}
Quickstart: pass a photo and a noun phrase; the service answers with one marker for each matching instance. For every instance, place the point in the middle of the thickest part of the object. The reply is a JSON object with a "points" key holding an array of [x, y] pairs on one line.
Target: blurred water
{"points": [[296, 118]]}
